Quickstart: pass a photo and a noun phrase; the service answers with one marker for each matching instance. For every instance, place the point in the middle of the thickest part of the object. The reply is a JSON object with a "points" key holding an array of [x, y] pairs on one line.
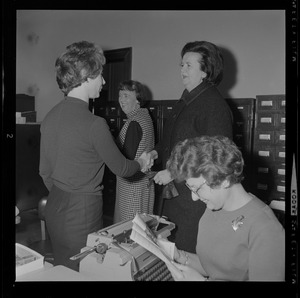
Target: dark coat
{"points": [[203, 111]]}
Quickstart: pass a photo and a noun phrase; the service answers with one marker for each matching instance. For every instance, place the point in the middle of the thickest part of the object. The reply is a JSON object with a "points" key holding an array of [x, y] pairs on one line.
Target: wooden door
{"points": [[116, 70]]}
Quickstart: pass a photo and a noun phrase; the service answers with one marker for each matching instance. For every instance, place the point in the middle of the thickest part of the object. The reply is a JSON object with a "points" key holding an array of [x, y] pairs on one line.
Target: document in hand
{"points": [[145, 237]]}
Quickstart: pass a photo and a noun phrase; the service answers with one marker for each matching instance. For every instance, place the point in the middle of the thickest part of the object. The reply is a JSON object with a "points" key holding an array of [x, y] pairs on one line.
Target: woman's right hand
{"points": [[162, 177], [145, 161], [154, 154]]}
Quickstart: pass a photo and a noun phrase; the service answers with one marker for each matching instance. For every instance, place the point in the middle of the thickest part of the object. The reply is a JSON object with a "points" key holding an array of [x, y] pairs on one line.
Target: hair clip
{"points": [[238, 222]]}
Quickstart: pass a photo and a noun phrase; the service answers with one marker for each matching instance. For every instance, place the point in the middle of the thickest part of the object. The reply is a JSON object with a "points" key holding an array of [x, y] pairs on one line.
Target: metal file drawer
{"points": [[122, 121], [113, 124], [112, 111], [166, 111], [100, 110], [154, 111], [270, 102], [266, 120], [280, 171], [264, 137], [264, 154], [275, 171], [280, 121], [279, 137], [280, 154]]}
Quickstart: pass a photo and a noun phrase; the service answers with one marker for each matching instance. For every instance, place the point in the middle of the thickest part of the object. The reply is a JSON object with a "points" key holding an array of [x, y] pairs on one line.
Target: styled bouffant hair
{"points": [[212, 62], [136, 86], [82, 60], [216, 158]]}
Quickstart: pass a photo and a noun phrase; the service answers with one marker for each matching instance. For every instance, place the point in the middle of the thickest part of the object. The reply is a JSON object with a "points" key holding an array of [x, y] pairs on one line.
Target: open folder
{"points": [[160, 247]]}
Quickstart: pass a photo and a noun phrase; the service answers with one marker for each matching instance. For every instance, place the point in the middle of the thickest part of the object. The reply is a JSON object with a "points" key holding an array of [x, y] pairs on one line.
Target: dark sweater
{"points": [[75, 146]]}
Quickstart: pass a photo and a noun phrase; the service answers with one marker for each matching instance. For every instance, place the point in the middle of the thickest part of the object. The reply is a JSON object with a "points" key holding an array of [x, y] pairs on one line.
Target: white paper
{"points": [[162, 248]]}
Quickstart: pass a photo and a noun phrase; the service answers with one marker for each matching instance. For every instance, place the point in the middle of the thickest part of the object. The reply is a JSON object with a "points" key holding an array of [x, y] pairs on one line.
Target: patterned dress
{"points": [[133, 194]]}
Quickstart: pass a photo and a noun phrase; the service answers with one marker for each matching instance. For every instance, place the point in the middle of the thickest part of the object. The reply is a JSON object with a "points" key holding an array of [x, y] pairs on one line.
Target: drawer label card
{"points": [[266, 120], [263, 170], [280, 188], [267, 103], [282, 137], [262, 186], [265, 137], [264, 153]]}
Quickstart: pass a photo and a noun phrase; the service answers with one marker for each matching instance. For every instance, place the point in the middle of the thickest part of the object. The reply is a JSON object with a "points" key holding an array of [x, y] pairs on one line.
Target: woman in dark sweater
{"points": [[75, 147], [201, 110]]}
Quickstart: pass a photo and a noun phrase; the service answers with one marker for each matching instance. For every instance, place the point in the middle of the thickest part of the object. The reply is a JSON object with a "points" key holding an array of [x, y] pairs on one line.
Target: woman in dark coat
{"points": [[201, 110]]}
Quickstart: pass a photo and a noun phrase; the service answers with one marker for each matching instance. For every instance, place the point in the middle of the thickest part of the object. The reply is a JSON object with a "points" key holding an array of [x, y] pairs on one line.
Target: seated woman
{"points": [[239, 237]]}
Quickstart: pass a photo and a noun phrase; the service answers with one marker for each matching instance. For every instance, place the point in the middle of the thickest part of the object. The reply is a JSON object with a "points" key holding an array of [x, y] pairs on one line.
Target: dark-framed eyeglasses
{"points": [[195, 191]]}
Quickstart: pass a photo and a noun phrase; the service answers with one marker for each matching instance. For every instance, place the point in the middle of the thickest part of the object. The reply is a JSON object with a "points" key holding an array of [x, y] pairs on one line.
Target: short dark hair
{"points": [[212, 62], [216, 158], [135, 86], [82, 60]]}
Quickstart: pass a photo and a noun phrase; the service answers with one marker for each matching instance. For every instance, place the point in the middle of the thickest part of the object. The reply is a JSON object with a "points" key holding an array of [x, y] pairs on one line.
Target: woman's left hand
{"points": [[163, 177], [188, 273]]}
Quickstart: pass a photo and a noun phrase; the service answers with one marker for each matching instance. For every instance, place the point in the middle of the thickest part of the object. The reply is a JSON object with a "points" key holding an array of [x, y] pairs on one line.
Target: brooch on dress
{"points": [[238, 222]]}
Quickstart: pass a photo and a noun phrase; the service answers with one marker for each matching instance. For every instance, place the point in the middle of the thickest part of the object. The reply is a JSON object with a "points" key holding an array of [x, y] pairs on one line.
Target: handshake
{"points": [[146, 160]]}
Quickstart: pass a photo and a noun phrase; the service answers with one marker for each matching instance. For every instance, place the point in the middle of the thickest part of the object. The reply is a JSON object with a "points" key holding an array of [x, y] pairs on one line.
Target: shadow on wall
{"points": [[230, 73], [147, 93]]}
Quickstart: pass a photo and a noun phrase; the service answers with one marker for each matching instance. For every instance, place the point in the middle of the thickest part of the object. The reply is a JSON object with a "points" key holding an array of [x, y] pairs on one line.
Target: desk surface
{"points": [[50, 273]]}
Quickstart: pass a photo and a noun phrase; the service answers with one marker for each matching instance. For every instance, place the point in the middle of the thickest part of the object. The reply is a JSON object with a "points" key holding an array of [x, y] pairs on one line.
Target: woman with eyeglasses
{"points": [[239, 237]]}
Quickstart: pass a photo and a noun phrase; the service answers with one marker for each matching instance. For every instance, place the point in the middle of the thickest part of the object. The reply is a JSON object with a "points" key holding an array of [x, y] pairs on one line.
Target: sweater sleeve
{"points": [[267, 253], [133, 137], [109, 152]]}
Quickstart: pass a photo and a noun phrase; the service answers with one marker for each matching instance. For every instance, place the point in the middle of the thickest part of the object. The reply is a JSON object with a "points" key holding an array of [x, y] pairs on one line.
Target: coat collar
{"points": [[188, 97]]}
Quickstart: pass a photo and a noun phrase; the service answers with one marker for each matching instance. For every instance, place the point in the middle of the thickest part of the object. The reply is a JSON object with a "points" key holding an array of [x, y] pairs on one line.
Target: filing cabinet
{"points": [[269, 148], [243, 123], [258, 131]]}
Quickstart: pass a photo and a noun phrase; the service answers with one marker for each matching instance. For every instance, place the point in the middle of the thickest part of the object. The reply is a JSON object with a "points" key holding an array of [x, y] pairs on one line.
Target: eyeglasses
{"points": [[193, 190]]}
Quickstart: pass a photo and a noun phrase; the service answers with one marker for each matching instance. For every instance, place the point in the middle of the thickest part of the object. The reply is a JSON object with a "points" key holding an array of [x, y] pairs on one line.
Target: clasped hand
{"points": [[146, 160], [163, 177]]}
